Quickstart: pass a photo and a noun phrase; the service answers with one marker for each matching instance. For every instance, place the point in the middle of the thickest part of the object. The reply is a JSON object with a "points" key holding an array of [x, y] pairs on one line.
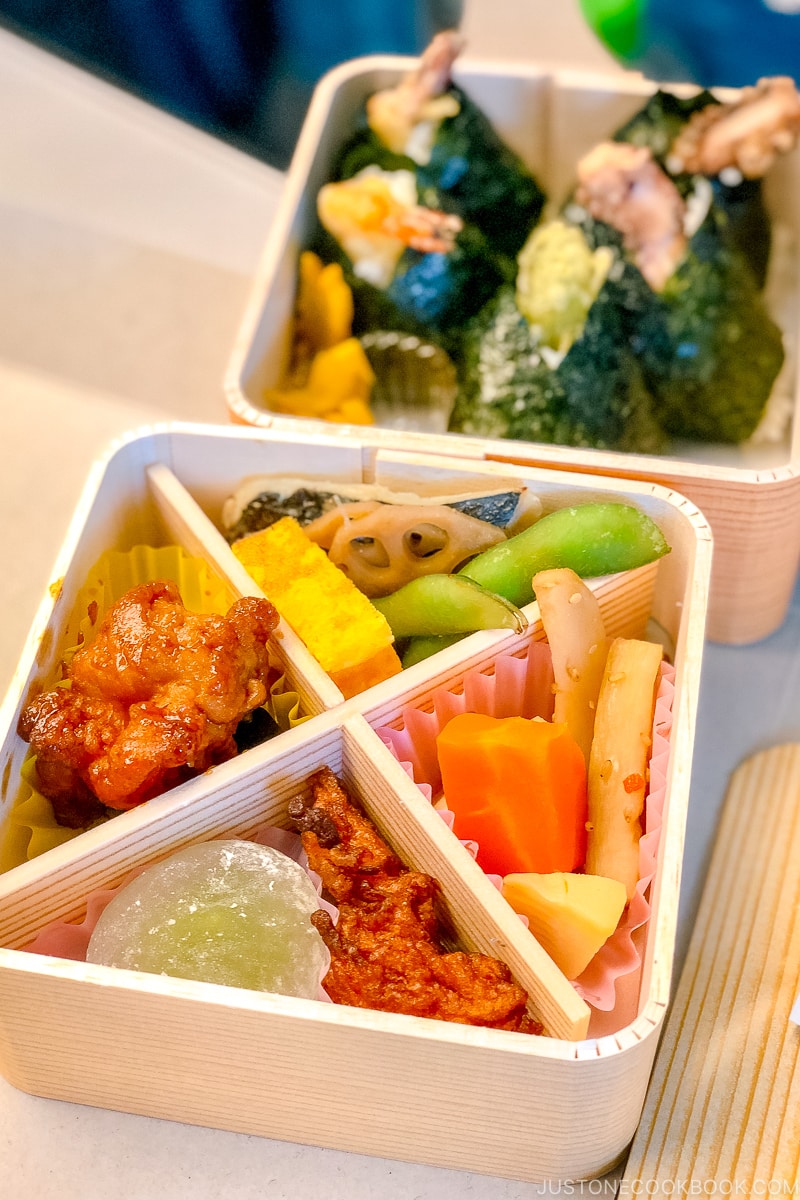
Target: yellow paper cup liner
{"points": [[31, 828]]}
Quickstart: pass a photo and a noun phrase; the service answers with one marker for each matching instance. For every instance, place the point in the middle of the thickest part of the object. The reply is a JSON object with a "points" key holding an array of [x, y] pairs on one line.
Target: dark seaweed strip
{"points": [[498, 510], [256, 728], [660, 120]]}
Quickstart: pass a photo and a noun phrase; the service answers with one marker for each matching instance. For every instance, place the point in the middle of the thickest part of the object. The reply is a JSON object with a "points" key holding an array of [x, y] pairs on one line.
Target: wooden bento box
{"points": [[507, 1104], [750, 494]]}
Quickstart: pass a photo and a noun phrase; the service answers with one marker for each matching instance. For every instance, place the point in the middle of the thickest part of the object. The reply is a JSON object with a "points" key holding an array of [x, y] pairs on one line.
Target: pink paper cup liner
{"points": [[519, 683], [30, 829], [66, 939]]}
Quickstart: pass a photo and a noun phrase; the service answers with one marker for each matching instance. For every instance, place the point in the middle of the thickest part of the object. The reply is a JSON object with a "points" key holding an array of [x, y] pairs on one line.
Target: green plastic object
{"points": [[618, 23]]}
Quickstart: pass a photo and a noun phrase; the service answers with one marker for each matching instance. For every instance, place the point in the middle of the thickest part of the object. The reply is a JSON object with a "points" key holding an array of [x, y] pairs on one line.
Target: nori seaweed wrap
{"points": [[659, 121], [430, 126], [470, 172], [674, 129], [710, 352], [410, 268], [708, 348], [563, 370]]}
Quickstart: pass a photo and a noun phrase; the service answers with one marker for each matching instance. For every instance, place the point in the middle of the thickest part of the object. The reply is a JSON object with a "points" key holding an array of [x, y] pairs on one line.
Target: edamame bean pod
{"points": [[420, 648], [593, 539], [444, 605]]}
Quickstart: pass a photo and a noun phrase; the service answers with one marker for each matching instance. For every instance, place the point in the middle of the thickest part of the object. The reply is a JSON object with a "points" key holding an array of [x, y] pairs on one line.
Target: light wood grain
{"points": [[724, 1102]]}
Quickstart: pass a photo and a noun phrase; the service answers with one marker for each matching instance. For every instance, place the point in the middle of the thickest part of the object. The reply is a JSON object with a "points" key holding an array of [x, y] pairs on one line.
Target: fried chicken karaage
{"points": [[386, 950], [154, 699]]}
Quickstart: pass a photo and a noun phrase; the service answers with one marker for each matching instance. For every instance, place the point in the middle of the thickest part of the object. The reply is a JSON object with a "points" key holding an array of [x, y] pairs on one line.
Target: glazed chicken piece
{"points": [[394, 113], [153, 699], [745, 136], [623, 186], [386, 948]]}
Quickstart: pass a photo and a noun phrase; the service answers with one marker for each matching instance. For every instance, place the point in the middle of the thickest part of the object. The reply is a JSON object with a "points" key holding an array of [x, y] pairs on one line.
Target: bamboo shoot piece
{"points": [[618, 763], [578, 644]]}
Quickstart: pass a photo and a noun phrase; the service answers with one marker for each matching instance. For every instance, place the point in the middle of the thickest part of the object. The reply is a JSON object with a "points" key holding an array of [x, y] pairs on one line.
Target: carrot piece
{"points": [[517, 787]]}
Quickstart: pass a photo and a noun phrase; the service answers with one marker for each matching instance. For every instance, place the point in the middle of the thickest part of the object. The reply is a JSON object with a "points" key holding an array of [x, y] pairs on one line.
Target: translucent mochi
{"points": [[230, 912]]}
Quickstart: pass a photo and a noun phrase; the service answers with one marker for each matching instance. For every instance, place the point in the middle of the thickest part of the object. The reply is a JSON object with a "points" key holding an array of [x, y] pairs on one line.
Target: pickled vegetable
{"points": [[576, 634], [517, 787], [328, 375], [338, 387], [570, 915], [619, 761]]}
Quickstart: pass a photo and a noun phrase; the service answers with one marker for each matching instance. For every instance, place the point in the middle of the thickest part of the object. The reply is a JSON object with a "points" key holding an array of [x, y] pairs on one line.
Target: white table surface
{"points": [[128, 241]]}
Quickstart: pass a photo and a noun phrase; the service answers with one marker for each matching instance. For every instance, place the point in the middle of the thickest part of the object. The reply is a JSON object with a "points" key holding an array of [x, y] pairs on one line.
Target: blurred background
{"points": [[241, 69], [244, 70]]}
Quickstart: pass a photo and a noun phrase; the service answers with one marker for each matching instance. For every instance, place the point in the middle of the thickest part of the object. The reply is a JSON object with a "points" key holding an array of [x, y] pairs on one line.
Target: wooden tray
{"points": [[723, 1109]]}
